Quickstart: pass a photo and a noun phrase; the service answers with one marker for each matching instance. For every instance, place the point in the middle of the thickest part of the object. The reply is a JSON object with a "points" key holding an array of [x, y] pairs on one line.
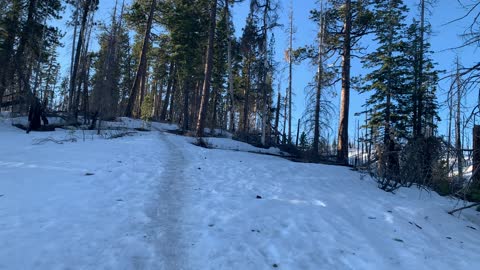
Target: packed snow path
{"points": [[154, 201], [168, 221]]}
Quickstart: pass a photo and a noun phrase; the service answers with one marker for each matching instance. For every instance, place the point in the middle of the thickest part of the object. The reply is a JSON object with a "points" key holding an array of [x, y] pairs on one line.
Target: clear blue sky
{"points": [[443, 38]]}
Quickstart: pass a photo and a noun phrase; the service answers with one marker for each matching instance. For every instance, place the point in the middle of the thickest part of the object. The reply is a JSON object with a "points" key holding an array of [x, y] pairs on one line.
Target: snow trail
{"points": [[167, 212]]}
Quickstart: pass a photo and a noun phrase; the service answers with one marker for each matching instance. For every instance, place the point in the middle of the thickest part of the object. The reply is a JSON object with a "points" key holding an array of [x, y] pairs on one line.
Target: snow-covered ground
{"points": [[155, 201]]}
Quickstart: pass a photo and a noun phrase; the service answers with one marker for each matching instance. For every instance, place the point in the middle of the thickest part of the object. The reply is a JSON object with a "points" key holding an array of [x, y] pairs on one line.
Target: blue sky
{"points": [[443, 38]]}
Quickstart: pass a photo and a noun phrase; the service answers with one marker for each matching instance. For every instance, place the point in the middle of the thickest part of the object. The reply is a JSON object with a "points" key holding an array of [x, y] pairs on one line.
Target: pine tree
{"points": [[348, 21], [387, 85], [141, 76], [208, 70], [249, 47], [109, 70], [26, 40]]}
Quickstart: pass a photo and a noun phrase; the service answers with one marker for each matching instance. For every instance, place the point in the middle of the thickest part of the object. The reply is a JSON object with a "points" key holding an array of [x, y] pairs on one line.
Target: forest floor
{"points": [[153, 200]]}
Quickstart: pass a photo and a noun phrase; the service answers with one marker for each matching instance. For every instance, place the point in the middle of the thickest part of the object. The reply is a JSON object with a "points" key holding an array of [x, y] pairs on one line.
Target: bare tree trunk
{"points": [[247, 100], [75, 30], [231, 104], [186, 101], [80, 44], [277, 117], [208, 70], [265, 72], [290, 76], [85, 88], [420, 68], [476, 158], [158, 102], [174, 88], [83, 70], [342, 148], [142, 66], [450, 119], [284, 139], [458, 131], [318, 94], [214, 113], [171, 76], [298, 133]]}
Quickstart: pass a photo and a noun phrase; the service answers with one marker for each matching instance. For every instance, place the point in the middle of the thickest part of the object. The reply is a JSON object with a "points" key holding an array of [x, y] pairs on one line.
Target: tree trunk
{"points": [[298, 133], [247, 99], [172, 98], [318, 94], [290, 77], [277, 117], [476, 157], [142, 66], [73, 77], [342, 148], [208, 70], [230, 72], [284, 139], [85, 88], [186, 102], [458, 131], [84, 72], [75, 29], [421, 95], [265, 72], [171, 77]]}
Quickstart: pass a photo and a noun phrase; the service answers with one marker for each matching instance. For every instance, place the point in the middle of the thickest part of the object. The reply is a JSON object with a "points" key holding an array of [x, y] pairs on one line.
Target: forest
{"points": [[180, 61]]}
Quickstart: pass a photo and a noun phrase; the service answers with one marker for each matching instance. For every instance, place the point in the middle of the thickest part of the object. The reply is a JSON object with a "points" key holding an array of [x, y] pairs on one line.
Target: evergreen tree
{"points": [[347, 21], [109, 70], [386, 82]]}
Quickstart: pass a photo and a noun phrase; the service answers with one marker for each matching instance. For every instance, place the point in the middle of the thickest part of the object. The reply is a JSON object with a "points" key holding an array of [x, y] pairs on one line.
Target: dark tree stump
{"points": [[36, 115]]}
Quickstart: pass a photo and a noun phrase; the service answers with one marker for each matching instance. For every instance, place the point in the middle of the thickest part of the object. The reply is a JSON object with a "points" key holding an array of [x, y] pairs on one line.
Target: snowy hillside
{"points": [[153, 200]]}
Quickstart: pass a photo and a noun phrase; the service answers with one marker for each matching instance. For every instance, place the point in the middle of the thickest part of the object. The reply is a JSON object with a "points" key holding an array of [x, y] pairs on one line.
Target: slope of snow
{"points": [[155, 201]]}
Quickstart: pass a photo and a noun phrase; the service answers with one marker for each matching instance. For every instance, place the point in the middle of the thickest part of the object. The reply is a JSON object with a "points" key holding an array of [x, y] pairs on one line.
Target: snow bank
{"points": [[229, 144]]}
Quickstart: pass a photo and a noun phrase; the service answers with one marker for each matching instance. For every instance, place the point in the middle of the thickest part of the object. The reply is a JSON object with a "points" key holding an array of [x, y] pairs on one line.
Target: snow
{"points": [[156, 201], [228, 144]]}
